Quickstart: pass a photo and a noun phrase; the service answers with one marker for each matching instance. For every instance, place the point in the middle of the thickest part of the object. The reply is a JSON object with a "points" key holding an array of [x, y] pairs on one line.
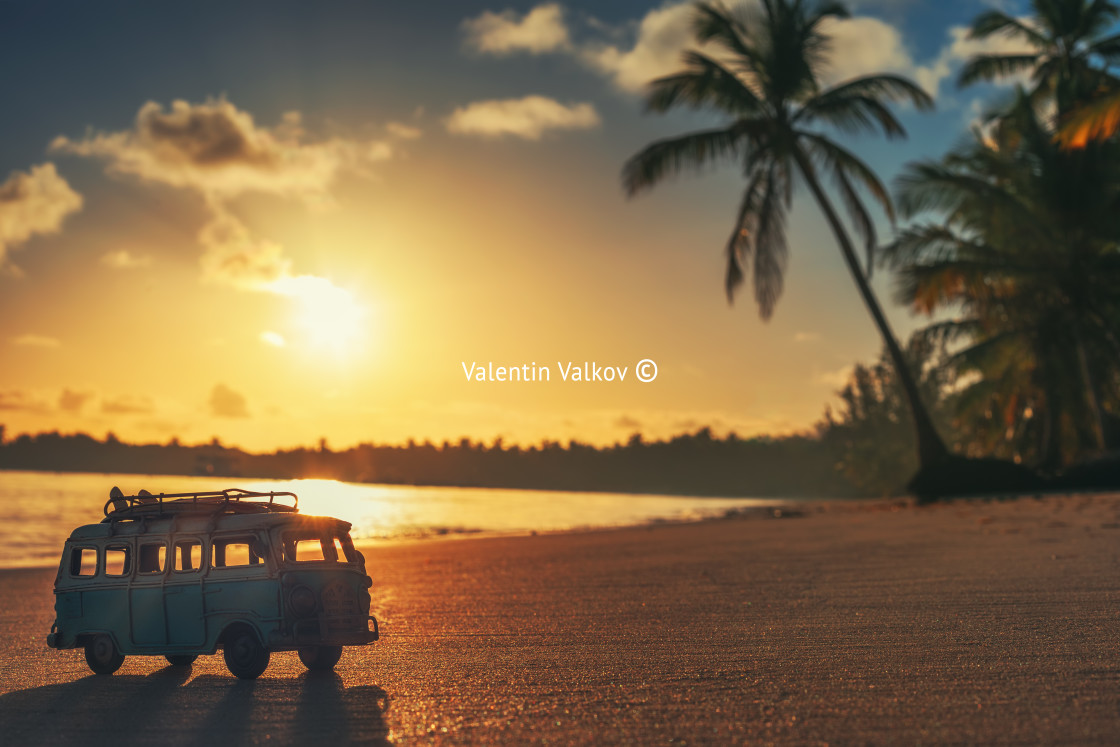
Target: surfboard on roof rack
{"points": [[231, 500]]}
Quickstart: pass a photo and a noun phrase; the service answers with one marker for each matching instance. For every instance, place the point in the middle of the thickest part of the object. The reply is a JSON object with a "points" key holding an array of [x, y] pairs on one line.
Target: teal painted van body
{"points": [[179, 579]]}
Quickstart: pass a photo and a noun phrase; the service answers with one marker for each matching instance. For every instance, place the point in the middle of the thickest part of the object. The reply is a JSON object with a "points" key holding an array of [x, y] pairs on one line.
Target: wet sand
{"points": [[985, 622]]}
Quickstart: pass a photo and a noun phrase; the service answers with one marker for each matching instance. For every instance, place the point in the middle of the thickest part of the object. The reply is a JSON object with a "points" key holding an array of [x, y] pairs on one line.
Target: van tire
{"points": [[181, 660], [320, 658], [102, 654], [245, 657]]}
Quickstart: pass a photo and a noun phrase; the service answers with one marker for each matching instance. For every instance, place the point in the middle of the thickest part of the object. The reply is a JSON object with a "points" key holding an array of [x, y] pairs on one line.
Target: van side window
{"points": [[83, 561], [152, 557], [307, 550], [188, 555], [118, 560], [234, 552]]}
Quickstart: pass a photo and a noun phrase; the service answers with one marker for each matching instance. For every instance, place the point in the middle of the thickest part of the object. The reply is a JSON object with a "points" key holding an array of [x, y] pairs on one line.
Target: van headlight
{"points": [[302, 601]]}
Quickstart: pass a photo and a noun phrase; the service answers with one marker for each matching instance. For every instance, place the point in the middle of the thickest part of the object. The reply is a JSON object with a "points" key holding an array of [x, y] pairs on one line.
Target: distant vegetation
{"points": [[695, 464]]}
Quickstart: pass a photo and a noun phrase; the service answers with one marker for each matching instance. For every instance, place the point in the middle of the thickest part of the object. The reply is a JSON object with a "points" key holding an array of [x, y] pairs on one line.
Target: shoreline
{"points": [[366, 543]]}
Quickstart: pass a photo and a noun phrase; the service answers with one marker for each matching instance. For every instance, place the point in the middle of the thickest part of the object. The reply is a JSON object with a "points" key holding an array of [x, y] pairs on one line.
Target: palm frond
{"points": [[931, 186], [878, 88], [705, 84], [854, 115], [927, 243], [989, 67], [1098, 120], [1100, 16], [770, 247], [671, 156], [740, 244], [837, 158], [997, 22], [1108, 48], [713, 23]]}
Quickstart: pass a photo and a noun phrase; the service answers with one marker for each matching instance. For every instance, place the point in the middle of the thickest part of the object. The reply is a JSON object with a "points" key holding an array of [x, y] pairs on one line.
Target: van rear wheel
{"points": [[320, 658], [102, 655], [245, 657], [181, 660]]}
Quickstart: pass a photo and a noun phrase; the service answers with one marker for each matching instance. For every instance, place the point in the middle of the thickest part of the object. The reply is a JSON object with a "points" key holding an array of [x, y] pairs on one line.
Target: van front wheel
{"points": [[102, 655], [245, 657], [320, 658]]}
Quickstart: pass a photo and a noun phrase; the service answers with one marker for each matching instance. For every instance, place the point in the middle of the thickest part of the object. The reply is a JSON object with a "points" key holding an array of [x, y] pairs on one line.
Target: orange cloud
{"points": [[226, 403], [31, 340], [123, 259], [527, 118], [218, 150], [127, 405], [33, 203]]}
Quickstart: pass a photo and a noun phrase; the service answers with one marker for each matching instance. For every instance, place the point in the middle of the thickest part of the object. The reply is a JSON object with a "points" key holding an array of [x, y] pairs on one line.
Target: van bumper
{"points": [[309, 633]]}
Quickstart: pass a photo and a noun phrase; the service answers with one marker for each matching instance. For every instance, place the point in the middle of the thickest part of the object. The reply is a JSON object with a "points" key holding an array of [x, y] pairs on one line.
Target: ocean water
{"points": [[39, 509]]}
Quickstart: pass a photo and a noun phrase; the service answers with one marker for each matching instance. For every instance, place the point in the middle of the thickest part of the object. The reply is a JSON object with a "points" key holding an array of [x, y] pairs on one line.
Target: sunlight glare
{"points": [[330, 316]]}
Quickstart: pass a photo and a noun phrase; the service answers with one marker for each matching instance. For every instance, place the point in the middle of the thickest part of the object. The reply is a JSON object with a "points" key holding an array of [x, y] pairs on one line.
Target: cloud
{"points": [[73, 402], [961, 48], [540, 30], [122, 259], [864, 45], [127, 404], [31, 203], [275, 339], [233, 256], [663, 35], [219, 152], [226, 403], [627, 423], [15, 399], [403, 131], [529, 117], [35, 341], [861, 45]]}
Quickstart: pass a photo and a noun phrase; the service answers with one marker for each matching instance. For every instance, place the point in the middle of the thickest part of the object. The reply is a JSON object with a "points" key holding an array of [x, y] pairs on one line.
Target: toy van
{"points": [[185, 574]]}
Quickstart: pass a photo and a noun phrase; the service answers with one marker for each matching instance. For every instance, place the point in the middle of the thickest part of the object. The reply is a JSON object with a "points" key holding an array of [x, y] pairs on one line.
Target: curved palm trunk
{"points": [[1091, 398], [931, 448]]}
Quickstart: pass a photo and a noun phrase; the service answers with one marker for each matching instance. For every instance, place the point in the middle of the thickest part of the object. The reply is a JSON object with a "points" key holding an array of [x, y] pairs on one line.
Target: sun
{"points": [[331, 317]]}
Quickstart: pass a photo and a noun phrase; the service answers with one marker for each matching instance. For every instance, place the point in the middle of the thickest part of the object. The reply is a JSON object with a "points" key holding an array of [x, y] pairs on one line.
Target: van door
{"points": [[182, 594], [148, 616]]}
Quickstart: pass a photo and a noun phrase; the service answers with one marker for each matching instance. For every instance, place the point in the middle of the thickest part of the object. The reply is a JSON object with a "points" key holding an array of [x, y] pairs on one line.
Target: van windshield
{"points": [[311, 546]]}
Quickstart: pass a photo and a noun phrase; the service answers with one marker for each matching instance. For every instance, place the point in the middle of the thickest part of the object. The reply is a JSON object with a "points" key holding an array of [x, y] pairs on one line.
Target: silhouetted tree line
{"points": [[694, 464]]}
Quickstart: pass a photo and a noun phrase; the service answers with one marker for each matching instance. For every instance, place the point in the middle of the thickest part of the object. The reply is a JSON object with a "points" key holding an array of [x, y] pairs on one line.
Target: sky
{"points": [[275, 222]]}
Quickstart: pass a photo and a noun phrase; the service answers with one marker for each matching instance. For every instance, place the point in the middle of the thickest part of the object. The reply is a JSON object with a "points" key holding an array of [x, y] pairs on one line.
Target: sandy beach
{"points": [[966, 622]]}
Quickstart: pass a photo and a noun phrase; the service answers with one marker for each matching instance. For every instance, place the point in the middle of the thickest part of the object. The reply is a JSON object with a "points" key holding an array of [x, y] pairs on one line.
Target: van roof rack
{"points": [[232, 500]]}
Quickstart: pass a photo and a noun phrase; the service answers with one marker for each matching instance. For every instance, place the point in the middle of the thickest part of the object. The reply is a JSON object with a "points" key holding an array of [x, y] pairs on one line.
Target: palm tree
{"points": [[1027, 253], [1098, 119], [1070, 57], [764, 76]]}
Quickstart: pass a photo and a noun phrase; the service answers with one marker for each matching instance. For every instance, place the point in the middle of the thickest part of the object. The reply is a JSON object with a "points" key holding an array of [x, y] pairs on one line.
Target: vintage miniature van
{"points": [[186, 574]]}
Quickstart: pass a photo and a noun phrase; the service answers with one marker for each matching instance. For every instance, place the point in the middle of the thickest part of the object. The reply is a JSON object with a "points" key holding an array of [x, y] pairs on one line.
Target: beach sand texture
{"points": [[983, 622]]}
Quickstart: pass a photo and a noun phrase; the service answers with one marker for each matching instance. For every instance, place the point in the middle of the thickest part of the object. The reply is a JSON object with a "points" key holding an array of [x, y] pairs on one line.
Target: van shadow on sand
{"points": [[167, 707]]}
